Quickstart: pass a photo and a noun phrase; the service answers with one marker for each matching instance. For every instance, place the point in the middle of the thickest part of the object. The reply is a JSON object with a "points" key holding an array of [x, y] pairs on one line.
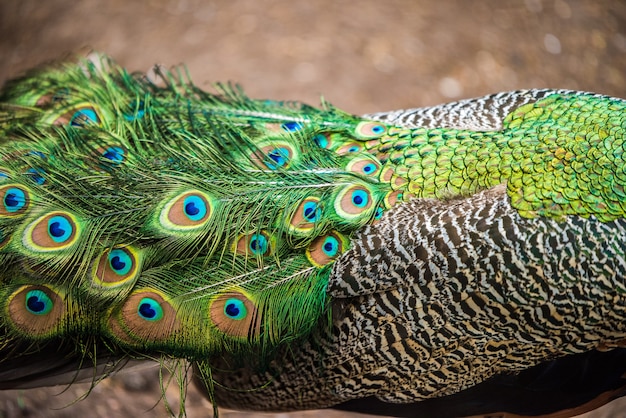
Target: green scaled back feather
{"points": [[561, 155]]}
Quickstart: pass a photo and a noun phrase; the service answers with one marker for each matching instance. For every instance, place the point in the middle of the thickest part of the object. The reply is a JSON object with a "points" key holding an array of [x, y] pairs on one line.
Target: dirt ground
{"points": [[363, 56]]}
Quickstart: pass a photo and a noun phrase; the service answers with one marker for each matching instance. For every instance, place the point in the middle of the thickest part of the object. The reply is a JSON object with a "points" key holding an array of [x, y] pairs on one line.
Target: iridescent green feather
{"points": [[168, 220], [122, 160]]}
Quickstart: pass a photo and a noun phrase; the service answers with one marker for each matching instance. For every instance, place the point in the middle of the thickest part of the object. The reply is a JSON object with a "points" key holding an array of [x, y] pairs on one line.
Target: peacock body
{"points": [[302, 257]]}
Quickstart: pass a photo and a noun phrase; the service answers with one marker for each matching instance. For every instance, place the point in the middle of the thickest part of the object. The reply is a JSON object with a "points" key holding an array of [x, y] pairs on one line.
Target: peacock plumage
{"points": [[398, 263]]}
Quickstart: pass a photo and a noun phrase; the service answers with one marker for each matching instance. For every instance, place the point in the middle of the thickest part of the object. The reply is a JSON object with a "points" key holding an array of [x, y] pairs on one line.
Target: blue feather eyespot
{"points": [[150, 310], [322, 141], [145, 316], [364, 165], [349, 148], [370, 130], [15, 200], [4, 175], [187, 211], [378, 214], [120, 261], [277, 155], [360, 198], [84, 117], [36, 311], [369, 168], [116, 266], [111, 156], [305, 216], [330, 246], [235, 309], [114, 154], [51, 232], [326, 248], [354, 202], [234, 314], [291, 126], [37, 154], [36, 175], [60, 228], [311, 211], [136, 112], [80, 116], [38, 302], [257, 244], [195, 207]]}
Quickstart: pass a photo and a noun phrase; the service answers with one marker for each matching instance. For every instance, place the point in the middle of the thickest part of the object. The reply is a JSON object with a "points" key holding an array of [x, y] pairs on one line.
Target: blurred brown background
{"points": [[363, 56]]}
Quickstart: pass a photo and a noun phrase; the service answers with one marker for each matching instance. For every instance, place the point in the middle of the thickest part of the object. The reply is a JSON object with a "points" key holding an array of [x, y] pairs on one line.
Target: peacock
{"points": [[460, 259]]}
